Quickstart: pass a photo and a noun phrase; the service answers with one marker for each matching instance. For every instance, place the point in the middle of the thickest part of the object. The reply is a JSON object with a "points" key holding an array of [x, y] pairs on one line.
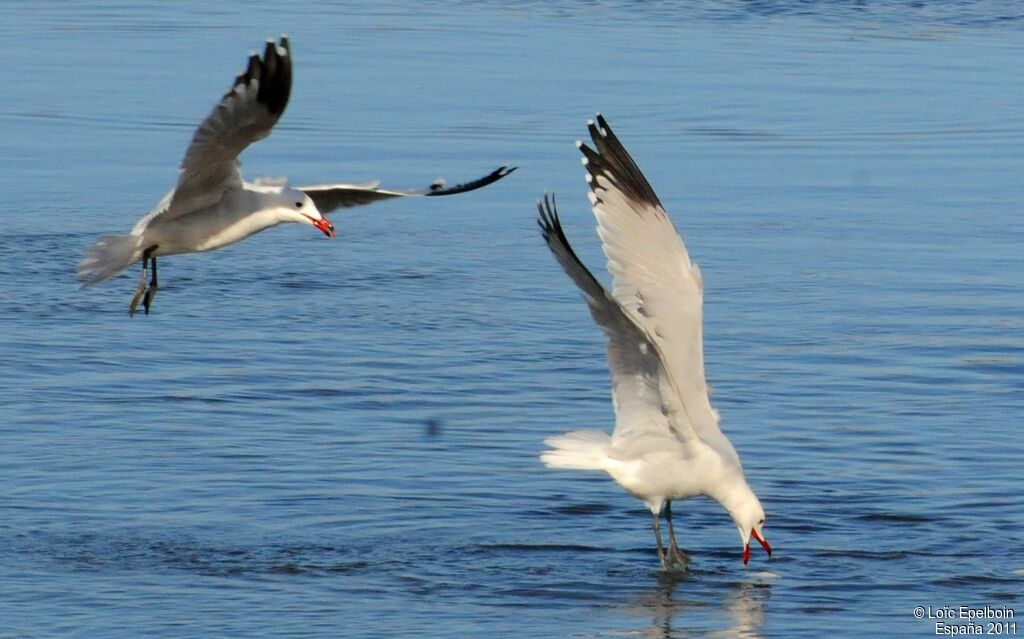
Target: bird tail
{"points": [[578, 450], [107, 257]]}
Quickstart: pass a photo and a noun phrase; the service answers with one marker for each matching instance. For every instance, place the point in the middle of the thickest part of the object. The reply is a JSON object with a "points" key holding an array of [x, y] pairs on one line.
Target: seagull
{"points": [[212, 206], [666, 444]]}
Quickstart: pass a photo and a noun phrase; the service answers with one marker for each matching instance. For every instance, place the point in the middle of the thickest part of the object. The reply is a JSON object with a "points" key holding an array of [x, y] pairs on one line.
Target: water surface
{"points": [[319, 439]]}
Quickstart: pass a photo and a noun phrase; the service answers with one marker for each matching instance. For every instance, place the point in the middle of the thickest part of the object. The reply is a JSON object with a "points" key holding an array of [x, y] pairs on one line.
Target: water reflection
{"points": [[745, 608], [674, 614]]}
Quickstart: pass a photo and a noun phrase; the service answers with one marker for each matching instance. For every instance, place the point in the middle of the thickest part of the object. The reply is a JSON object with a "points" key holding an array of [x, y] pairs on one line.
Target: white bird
{"points": [[212, 206], [666, 444]]}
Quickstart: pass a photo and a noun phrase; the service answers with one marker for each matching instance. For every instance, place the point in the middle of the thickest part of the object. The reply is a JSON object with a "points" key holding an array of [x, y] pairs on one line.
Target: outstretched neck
{"points": [[736, 497]]}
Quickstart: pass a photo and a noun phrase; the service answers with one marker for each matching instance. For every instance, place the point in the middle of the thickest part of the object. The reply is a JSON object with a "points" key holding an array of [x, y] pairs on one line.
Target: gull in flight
{"points": [[666, 444], [212, 206]]}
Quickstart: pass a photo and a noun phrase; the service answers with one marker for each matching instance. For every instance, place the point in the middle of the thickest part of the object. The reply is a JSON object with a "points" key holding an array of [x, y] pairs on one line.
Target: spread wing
{"points": [[244, 115], [655, 283], [329, 197], [638, 377]]}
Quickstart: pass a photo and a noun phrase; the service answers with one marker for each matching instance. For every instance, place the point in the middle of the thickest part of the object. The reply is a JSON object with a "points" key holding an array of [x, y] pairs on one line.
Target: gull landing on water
{"points": [[666, 444], [212, 206]]}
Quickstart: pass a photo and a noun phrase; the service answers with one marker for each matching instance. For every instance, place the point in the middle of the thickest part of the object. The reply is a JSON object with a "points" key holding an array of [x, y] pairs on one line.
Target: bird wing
{"points": [[639, 381], [655, 283], [329, 197], [245, 114]]}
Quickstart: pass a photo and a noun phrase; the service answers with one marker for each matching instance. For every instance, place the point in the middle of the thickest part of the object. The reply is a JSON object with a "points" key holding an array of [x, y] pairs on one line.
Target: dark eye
{"points": [[298, 205], [760, 523]]}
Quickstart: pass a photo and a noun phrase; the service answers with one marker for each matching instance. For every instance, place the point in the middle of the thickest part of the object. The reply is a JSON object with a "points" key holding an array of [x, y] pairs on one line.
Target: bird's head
{"points": [[749, 519], [301, 208]]}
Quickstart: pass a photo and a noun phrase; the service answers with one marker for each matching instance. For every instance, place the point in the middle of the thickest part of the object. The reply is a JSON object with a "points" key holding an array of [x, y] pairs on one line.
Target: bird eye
{"points": [[298, 205], [760, 523]]}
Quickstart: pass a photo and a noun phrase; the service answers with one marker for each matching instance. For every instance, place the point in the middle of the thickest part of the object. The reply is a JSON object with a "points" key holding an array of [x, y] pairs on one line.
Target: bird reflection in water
{"points": [[677, 615]]}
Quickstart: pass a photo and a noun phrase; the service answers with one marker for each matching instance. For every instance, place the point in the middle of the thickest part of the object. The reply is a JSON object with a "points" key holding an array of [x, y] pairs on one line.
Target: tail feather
{"points": [[107, 257], [578, 450]]}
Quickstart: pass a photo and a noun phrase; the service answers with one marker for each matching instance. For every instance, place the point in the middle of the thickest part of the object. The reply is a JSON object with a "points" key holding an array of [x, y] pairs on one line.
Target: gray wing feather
{"points": [[655, 282], [246, 113], [638, 377]]}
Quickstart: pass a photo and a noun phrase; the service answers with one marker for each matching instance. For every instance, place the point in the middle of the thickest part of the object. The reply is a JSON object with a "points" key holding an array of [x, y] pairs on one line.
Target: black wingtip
{"points": [[542, 220], [588, 153], [610, 158], [276, 84], [255, 68], [548, 221], [490, 178], [273, 73], [271, 60], [554, 234]]}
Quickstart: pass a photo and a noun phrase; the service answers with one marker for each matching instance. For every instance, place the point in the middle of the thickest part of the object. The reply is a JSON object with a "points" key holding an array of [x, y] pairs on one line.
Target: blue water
{"points": [[322, 439]]}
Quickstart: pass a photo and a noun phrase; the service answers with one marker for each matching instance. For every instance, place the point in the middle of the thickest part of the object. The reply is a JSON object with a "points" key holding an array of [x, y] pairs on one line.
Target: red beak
{"points": [[325, 227], [764, 544], [760, 539]]}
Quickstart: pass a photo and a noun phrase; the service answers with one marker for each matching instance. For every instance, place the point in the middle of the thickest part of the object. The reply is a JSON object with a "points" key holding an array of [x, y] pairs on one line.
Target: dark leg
{"points": [[675, 554], [140, 290], [143, 289], [657, 536], [151, 291]]}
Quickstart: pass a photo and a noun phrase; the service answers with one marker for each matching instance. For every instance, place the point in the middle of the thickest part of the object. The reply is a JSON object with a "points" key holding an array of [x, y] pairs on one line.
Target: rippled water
{"points": [[313, 438]]}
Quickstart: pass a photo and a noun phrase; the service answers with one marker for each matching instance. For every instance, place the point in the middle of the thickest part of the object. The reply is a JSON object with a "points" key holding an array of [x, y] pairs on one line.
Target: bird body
{"points": [[242, 211], [653, 469], [667, 444]]}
